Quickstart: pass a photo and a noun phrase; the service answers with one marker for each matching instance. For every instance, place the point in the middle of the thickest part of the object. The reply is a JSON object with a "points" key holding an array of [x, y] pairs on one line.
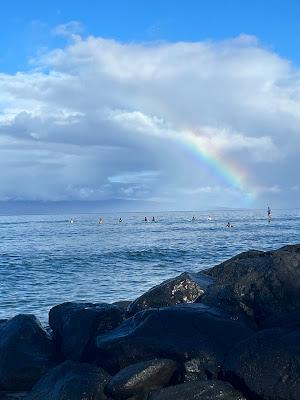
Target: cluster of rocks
{"points": [[231, 332]]}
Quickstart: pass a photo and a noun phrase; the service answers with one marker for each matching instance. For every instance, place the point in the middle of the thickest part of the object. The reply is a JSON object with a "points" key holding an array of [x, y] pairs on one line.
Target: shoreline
{"points": [[232, 329]]}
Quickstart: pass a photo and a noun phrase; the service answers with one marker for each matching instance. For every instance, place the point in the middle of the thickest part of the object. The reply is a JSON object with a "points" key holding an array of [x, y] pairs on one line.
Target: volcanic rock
{"points": [[185, 288], [71, 381], [75, 326], [181, 333], [26, 352], [141, 378], [258, 284], [202, 390], [266, 365]]}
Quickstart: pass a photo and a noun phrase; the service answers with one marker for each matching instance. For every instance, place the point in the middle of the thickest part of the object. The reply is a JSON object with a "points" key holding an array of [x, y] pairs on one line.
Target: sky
{"points": [[182, 105]]}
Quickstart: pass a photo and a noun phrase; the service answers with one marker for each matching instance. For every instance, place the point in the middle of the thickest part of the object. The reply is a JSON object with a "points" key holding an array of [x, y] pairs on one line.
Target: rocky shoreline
{"points": [[231, 332]]}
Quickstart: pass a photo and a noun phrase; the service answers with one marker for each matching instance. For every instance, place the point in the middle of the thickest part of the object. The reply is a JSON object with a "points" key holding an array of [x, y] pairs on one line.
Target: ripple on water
{"points": [[44, 260]]}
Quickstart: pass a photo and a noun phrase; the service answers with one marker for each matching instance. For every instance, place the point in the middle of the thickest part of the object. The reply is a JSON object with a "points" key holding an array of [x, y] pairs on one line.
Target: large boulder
{"points": [[181, 332], [141, 378], [258, 284], [26, 352], [71, 381], [75, 326], [202, 390], [185, 288], [266, 365]]}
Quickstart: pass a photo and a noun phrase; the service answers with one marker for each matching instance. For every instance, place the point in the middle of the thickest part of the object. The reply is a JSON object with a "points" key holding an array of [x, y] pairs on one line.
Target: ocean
{"points": [[45, 260]]}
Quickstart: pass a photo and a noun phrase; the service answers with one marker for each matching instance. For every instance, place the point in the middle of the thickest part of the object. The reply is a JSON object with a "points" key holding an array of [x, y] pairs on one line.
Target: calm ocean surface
{"points": [[45, 260]]}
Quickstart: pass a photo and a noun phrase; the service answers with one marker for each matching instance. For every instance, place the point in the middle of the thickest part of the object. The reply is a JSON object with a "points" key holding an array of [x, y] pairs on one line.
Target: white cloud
{"points": [[71, 30], [96, 108]]}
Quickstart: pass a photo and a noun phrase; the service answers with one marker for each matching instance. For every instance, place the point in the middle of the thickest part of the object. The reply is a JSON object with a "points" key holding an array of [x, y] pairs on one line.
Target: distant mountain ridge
{"points": [[70, 207]]}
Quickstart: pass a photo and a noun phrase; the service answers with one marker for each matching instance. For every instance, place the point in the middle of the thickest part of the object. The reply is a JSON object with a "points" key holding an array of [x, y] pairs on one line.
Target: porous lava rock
{"points": [[185, 288]]}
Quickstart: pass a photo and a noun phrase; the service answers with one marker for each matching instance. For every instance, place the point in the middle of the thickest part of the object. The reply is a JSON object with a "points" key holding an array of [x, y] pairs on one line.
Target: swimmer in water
{"points": [[120, 220], [72, 221], [146, 219], [193, 219], [153, 219], [269, 214], [101, 221], [209, 218], [229, 225]]}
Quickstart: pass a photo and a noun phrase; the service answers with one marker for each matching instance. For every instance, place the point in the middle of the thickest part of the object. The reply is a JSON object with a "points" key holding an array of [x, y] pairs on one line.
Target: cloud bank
{"points": [[99, 119]]}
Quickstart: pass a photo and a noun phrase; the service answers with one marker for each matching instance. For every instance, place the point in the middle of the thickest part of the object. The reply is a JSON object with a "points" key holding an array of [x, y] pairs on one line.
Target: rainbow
{"points": [[233, 175]]}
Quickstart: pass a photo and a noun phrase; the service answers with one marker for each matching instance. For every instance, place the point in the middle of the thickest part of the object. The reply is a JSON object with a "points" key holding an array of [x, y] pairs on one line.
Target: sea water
{"points": [[45, 260]]}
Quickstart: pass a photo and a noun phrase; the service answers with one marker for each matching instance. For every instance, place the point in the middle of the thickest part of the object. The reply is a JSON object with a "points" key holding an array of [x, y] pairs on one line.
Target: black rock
{"points": [[141, 378], [185, 288], [266, 365], [12, 395], [26, 352], [75, 326], [289, 320], [205, 390], [258, 284], [180, 332], [124, 304], [71, 381], [201, 369]]}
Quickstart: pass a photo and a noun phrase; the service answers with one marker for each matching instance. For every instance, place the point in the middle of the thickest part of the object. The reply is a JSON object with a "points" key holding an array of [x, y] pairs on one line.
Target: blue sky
{"points": [[185, 104], [25, 26]]}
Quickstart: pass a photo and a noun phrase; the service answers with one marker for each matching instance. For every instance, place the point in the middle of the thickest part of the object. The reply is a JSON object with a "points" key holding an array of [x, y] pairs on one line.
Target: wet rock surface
{"points": [[71, 381], [258, 284], [26, 352], [185, 288], [180, 332], [201, 390], [75, 326], [267, 365], [141, 378]]}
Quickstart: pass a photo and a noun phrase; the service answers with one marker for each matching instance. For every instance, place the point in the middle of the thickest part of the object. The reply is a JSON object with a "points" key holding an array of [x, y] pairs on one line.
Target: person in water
{"points": [[101, 221], [153, 219], [146, 219], [72, 221], [120, 220], [229, 225], [269, 214], [209, 218], [193, 219]]}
